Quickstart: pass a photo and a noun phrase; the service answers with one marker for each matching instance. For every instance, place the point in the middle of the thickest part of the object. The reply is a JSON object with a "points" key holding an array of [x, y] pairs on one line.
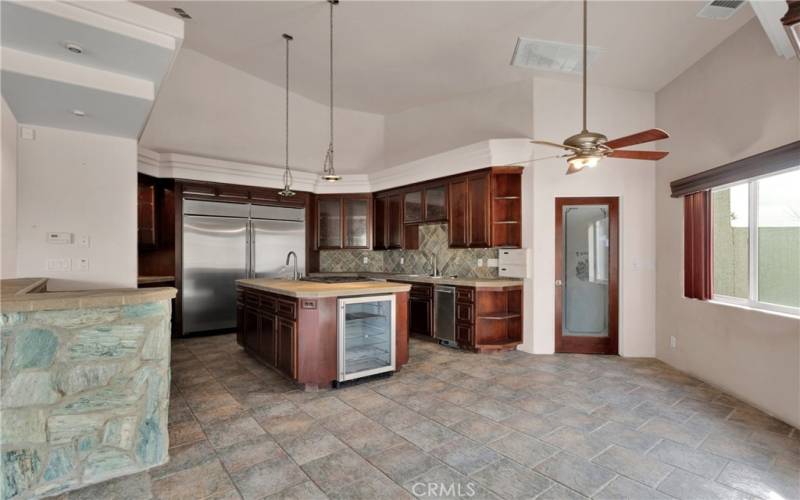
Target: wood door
{"points": [[286, 334], [587, 275], [395, 222], [478, 211], [356, 218], [379, 224], [420, 316], [267, 346], [457, 213]]}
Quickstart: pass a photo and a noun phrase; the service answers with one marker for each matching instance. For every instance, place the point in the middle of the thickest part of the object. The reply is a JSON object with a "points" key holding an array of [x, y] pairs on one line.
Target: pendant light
{"points": [[287, 173], [328, 171]]}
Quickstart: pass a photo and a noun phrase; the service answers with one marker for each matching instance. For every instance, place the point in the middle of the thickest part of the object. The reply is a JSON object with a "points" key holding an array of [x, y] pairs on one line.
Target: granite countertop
{"points": [[419, 278], [28, 294], [311, 289]]}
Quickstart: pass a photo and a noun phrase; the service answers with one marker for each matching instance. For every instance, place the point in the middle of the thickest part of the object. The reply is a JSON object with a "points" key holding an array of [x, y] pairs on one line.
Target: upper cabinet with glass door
{"points": [[435, 203], [343, 221]]}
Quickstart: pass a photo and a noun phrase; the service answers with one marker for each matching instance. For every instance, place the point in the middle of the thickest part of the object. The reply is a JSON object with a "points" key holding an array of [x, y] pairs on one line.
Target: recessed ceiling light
{"points": [[74, 48], [78, 112], [182, 13]]}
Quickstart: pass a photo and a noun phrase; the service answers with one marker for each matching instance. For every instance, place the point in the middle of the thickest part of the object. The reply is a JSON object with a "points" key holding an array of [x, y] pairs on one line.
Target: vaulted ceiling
{"points": [[393, 55]]}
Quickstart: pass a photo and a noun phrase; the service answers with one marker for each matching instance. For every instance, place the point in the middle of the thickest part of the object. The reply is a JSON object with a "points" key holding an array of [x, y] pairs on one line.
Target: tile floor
{"points": [[459, 425]]}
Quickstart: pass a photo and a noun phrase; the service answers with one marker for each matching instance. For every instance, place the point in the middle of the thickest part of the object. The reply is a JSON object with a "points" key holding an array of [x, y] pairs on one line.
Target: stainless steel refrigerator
{"points": [[223, 242]]}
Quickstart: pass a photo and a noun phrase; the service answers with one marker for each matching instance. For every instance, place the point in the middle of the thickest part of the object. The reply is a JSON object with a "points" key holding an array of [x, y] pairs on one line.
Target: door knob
{"points": [[559, 283]]}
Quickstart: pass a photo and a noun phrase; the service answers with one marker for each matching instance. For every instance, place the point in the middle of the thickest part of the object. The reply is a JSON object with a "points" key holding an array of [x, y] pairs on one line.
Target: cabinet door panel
{"points": [[457, 213], [250, 329], [329, 223], [267, 347], [464, 334], [286, 347], [412, 207], [147, 214], [380, 242], [356, 223], [395, 224], [435, 204], [478, 211], [420, 316]]}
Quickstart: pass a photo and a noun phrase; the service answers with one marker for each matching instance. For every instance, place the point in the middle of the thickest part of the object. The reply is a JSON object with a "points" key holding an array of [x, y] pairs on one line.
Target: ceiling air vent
{"points": [[550, 56], [720, 9], [182, 13]]}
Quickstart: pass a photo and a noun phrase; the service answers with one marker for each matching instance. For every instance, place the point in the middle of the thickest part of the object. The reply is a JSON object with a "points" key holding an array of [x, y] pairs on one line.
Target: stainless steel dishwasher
{"points": [[444, 316]]}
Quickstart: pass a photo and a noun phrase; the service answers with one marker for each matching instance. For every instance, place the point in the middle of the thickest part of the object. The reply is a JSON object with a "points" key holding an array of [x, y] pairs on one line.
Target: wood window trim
{"points": [[768, 162]]}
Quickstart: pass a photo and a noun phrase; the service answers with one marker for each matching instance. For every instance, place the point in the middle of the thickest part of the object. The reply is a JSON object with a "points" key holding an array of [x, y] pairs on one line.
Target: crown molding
{"points": [[494, 152]]}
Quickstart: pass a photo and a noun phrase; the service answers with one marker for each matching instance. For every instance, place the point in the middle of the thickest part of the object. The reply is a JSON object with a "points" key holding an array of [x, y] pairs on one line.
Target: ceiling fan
{"points": [[586, 149]]}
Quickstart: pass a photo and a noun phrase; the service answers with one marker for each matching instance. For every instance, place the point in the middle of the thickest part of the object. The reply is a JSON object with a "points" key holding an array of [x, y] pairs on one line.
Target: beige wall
{"points": [[84, 184], [8, 196], [738, 100], [616, 112], [207, 108]]}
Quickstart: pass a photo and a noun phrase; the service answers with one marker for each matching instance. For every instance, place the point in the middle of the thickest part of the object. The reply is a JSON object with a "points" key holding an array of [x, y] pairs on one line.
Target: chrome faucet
{"points": [[295, 274], [436, 271]]}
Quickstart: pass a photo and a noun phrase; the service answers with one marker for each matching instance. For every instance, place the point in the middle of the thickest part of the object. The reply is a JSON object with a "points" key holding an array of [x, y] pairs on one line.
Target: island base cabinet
{"points": [[298, 337]]}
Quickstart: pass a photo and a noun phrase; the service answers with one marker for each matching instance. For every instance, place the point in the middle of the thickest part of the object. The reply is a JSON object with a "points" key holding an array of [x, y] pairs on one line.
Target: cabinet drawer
{"points": [[465, 312], [464, 334], [268, 303], [287, 308], [251, 299], [421, 291], [465, 295]]}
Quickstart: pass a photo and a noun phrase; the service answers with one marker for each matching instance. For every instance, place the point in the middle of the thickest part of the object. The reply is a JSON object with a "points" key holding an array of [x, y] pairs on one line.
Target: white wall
{"points": [[738, 100], [83, 184], [207, 108], [615, 112], [498, 112], [8, 194]]}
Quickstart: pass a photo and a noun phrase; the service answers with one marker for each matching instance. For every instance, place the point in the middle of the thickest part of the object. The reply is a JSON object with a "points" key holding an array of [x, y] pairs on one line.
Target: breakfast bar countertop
{"points": [[311, 289], [29, 294]]}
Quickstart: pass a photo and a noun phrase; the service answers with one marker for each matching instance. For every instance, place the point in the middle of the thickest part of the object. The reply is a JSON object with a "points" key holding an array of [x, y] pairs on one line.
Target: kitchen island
{"points": [[293, 326]]}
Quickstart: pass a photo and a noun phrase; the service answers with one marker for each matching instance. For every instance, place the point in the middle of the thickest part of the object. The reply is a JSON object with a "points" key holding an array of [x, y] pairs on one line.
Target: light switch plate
{"points": [[27, 133], [59, 238], [480, 262]]}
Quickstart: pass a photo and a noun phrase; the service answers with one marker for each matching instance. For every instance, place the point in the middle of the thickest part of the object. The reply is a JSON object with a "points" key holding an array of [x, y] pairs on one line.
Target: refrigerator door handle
{"points": [[247, 260], [252, 232]]}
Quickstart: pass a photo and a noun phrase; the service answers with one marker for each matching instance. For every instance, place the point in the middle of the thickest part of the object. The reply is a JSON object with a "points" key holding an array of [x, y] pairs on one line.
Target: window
{"points": [[756, 242]]}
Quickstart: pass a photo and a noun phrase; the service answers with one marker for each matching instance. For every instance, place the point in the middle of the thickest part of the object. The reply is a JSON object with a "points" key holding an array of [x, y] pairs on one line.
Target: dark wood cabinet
{"points": [[267, 338], [380, 213], [420, 310], [251, 331], [457, 217], [394, 225], [435, 203], [147, 217], [286, 333], [412, 207], [489, 319], [478, 211], [343, 221]]}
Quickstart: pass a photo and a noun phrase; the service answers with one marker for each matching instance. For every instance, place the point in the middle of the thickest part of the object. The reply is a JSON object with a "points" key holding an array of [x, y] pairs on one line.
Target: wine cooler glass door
{"points": [[366, 336]]}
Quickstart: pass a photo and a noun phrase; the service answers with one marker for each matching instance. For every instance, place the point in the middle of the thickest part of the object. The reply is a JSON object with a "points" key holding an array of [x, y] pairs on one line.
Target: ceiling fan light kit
{"points": [[586, 149]]}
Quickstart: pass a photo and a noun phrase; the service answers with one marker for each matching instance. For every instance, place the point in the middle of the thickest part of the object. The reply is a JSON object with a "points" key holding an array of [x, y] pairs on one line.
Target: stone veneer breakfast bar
{"points": [[85, 385]]}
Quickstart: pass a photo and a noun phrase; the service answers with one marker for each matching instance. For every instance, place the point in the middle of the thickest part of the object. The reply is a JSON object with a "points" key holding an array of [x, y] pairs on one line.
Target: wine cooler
{"points": [[366, 335]]}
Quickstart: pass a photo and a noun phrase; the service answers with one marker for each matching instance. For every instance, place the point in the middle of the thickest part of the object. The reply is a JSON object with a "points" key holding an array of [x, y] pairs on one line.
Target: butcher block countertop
{"points": [[29, 294], [310, 289]]}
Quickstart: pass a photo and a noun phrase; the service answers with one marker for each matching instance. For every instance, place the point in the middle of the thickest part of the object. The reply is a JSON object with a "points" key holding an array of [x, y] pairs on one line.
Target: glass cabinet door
{"points": [[366, 336], [412, 206], [435, 204], [356, 223], [329, 223]]}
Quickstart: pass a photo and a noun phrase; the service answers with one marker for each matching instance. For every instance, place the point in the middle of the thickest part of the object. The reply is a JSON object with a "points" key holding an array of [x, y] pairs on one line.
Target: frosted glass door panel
{"points": [[586, 267]]}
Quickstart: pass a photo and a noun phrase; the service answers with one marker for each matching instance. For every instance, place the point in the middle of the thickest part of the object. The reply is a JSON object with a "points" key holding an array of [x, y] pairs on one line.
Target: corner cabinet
{"points": [[489, 319], [343, 221]]}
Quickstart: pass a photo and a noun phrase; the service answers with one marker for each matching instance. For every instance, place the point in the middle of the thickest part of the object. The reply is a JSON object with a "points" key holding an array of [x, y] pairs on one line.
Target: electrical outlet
{"points": [[82, 264], [480, 262], [60, 265], [402, 260], [365, 260], [673, 342], [83, 241]]}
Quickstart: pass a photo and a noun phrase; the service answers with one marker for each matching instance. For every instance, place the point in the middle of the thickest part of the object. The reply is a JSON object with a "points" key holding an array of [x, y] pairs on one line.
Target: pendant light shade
{"points": [[328, 170], [287, 173]]}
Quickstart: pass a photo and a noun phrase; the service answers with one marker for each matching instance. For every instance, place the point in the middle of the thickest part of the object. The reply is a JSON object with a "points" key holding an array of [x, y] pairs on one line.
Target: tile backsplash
{"points": [[462, 262]]}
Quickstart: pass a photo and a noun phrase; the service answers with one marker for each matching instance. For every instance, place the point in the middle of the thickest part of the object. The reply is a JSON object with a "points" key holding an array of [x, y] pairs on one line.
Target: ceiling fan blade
{"points": [[555, 145], [638, 155], [654, 134]]}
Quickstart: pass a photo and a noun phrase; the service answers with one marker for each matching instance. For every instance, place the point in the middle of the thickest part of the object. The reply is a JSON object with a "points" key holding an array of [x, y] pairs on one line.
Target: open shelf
{"points": [[500, 315]]}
